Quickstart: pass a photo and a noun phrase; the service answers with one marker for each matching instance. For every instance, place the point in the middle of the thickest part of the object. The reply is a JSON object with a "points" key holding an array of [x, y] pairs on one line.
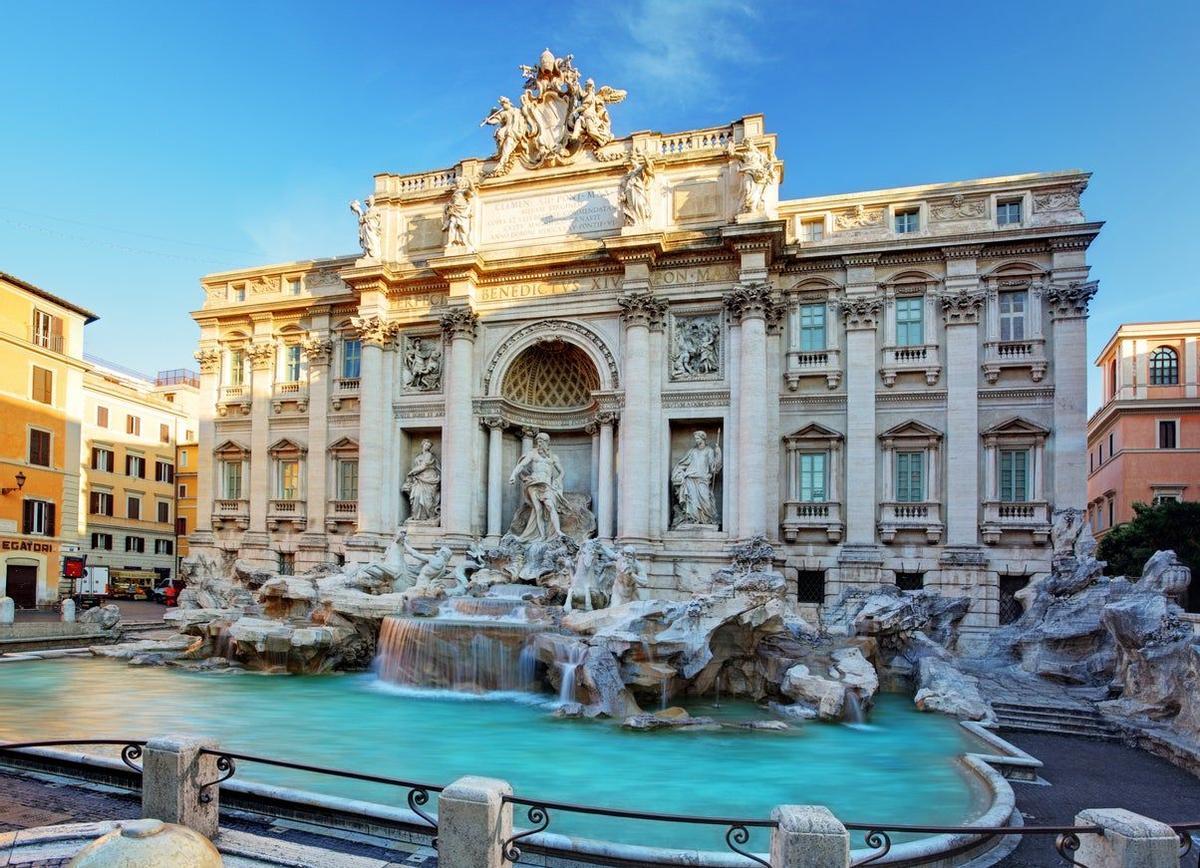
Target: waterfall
{"points": [[448, 654], [568, 659], [852, 711]]}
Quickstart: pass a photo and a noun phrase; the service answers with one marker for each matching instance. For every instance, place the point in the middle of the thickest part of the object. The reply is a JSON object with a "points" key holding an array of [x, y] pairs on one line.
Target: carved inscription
{"points": [[719, 273], [581, 212]]}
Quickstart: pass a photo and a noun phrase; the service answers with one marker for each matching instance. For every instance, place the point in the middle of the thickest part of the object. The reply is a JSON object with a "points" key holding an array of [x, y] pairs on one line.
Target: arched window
{"points": [[1164, 367]]}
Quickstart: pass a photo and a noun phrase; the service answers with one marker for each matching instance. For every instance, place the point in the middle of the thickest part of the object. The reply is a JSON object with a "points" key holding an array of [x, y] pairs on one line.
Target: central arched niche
{"points": [[551, 384], [551, 375]]}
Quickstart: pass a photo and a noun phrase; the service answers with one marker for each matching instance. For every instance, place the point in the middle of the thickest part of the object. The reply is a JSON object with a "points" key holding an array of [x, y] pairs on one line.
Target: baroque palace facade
{"points": [[890, 384]]}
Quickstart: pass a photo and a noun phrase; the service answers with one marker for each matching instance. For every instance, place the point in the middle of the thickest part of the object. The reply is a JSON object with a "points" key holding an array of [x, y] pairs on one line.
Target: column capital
{"points": [[642, 308], [752, 300], [606, 417], [961, 308], [861, 312], [1070, 301], [261, 355], [460, 322], [776, 316], [209, 360], [374, 331], [495, 422], [317, 349]]}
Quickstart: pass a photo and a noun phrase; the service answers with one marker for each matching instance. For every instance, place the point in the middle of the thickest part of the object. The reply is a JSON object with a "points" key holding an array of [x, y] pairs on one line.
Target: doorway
{"points": [[21, 585]]}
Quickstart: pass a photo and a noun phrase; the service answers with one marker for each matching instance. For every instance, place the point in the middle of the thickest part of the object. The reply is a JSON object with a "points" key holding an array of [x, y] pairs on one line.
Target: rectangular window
{"points": [[1167, 434], [1112, 449], [101, 417], [1112, 510], [812, 327], [910, 322], [183, 457], [347, 480], [239, 293], [100, 503], [231, 479], [39, 447], [103, 459], [164, 471], [287, 564], [812, 477], [102, 541], [1012, 315], [289, 480], [133, 425], [293, 286], [291, 364], [181, 525], [47, 331], [164, 433], [135, 465], [182, 491], [135, 544], [164, 547], [237, 367], [812, 230], [133, 507], [1008, 212], [1100, 453], [1014, 475], [37, 518], [351, 358], [43, 385], [810, 586], [910, 477], [164, 512], [910, 581], [908, 220]]}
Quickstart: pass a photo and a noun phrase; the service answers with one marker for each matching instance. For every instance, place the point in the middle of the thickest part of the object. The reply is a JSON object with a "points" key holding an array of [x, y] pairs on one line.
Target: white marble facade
{"points": [[894, 381]]}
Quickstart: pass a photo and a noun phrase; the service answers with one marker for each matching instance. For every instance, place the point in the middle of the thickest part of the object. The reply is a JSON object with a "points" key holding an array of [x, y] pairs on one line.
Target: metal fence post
{"points": [[1129, 841], [474, 821], [173, 772], [808, 836]]}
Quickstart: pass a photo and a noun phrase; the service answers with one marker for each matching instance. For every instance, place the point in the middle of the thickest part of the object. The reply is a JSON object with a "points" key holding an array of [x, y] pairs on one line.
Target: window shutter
{"points": [[49, 519], [27, 516]]}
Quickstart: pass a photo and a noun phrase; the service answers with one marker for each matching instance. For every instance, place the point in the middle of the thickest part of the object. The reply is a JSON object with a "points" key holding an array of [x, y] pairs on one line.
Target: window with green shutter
{"points": [[910, 322], [1014, 475], [812, 477], [812, 327], [910, 477]]}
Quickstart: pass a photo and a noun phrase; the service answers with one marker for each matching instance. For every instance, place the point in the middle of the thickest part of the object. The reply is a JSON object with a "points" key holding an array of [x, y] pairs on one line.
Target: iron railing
{"points": [[737, 830], [131, 750]]}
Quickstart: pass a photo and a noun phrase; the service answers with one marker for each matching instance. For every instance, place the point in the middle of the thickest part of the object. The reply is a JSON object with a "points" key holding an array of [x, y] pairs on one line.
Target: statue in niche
{"points": [[757, 171], [369, 220], [635, 190], [457, 218], [696, 350], [693, 477], [423, 485], [423, 365], [541, 475]]}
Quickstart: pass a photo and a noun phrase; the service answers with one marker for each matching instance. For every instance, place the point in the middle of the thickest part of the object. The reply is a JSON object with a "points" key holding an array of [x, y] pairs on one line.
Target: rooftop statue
{"points": [[369, 221], [556, 119]]}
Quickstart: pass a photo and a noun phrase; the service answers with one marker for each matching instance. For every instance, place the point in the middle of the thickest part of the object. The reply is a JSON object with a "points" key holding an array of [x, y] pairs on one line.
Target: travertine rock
{"points": [[944, 688], [108, 616]]}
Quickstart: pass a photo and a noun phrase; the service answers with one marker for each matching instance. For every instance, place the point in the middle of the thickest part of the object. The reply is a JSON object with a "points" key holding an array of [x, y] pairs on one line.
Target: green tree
{"points": [[1169, 525]]}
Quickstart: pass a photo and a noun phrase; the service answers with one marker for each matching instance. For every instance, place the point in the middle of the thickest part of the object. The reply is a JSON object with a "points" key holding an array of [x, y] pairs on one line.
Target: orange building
{"points": [[1144, 441], [41, 404]]}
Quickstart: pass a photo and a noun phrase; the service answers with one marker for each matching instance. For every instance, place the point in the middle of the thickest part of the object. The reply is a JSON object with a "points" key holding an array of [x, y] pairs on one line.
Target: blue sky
{"points": [[146, 144]]}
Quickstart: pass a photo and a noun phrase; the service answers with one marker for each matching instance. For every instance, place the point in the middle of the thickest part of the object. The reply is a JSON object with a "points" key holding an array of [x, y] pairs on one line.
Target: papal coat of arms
{"points": [[556, 118]]}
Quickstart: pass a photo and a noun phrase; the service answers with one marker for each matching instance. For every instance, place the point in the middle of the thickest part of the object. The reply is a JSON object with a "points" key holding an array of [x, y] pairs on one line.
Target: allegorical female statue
{"points": [[423, 485], [369, 227], [693, 477]]}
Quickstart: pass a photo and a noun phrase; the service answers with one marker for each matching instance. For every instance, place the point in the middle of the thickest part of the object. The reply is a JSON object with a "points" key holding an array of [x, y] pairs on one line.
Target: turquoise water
{"points": [[901, 768]]}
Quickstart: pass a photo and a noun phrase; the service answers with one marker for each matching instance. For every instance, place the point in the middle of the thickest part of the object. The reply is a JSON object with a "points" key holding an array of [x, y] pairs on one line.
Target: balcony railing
{"points": [[233, 511], [343, 388], [1029, 353], [813, 363], [178, 377], [47, 341], [801, 515], [925, 359], [341, 512], [923, 516], [235, 393], [291, 389], [285, 510], [1031, 516]]}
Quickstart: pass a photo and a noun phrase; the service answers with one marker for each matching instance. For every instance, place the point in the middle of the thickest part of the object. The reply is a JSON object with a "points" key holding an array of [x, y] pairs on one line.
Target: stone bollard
{"points": [[68, 611], [473, 823], [173, 769], [808, 836], [1129, 841], [8, 611]]}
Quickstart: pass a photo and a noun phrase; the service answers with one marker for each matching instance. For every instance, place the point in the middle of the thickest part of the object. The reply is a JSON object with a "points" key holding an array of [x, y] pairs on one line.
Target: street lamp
{"points": [[20, 484]]}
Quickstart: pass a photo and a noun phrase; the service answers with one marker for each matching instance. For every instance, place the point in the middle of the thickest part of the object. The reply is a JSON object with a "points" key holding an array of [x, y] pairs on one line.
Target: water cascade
{"points": [[852, 711], [471, 656], [569, 657]]}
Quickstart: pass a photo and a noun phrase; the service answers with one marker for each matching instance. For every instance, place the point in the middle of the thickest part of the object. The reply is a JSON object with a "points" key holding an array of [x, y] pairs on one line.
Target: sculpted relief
{"points": [[556, 118], [695, 347], [422, 364]]}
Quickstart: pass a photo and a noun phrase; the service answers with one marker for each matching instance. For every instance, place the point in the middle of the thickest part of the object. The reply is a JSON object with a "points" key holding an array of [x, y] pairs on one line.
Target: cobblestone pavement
{"points": [[131, 610], [1084, 773]]}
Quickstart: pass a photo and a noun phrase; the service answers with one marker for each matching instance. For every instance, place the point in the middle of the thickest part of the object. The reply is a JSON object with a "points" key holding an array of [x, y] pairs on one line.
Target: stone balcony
{"points": [[814, 363], [284, 394], [284, 511], [825, 516], [1031, 516], [234, 512], [234, 398], [924, 517], [344, 388], [1029, 354], [341, 515], [924, 359]]}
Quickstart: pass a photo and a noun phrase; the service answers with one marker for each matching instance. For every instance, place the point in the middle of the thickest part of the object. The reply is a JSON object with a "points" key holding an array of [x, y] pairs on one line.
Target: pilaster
{"points": [[861, 313], [459, 324], [748, 305], [261, 354], [208, 357], [961, 307], [318, 349], [375, 332], [1069, 310], [640, 309]]}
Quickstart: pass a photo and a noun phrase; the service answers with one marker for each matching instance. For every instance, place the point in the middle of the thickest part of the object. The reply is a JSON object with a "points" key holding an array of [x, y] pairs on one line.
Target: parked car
{"points": [[166, 591]]}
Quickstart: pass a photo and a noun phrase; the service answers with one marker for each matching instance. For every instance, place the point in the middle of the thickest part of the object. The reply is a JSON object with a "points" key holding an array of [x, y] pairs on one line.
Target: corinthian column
{"points": [[495, 474], [209, 359], [639, 310], [262, 377], [960, 312], [1069, 311], [375, 334], [749, 306], [459, 325], [862, 317], [317, 351]]}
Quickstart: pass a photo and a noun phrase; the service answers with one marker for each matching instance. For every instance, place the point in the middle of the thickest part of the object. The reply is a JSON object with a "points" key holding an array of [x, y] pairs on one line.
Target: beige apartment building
{"points": [[132, 428]]}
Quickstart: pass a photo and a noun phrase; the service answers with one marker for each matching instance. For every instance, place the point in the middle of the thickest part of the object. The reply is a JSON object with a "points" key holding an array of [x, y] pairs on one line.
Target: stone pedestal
{"points": [[173, 769], [8, 610], [473, 823], [1129, 841], [808, 836]]}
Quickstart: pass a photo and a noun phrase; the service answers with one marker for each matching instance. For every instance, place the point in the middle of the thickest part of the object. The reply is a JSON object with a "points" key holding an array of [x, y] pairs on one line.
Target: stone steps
{"points": [[1079, 721]]}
